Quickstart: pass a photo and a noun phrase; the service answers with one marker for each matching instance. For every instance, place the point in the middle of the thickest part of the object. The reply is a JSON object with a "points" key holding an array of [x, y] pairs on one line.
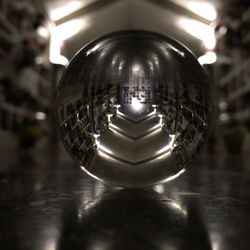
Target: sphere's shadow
{"points": [[134, 219]]}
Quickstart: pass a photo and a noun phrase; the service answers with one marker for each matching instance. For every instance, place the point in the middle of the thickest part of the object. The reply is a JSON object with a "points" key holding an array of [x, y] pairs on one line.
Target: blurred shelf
{"points": [[23, 112], [7, 25], [241, 115], [6, 40], [235, 72], [240, 91], [246, 38]]}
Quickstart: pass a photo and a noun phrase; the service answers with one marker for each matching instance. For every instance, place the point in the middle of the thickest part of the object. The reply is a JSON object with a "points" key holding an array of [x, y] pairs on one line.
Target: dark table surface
{"points": [[48, 203]]}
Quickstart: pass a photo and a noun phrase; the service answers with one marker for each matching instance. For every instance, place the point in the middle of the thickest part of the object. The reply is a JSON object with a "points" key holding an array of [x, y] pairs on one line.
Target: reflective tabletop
{"points": [[48, 203]]}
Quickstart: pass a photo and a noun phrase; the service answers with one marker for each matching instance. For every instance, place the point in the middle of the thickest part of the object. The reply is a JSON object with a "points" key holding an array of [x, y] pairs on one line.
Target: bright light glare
{"points": [[176, 50], [43, 32], [175, 176], [62, 60], [199, 30], [203, 9], [109, 117], [168, 146], [136, 68], [51, 245], [177, 206], [93, 49], [136, 105], [102, 147], [208, 58], [159, 188], [40, 116], [59, 34], [67, 9], [55, 50], [69, 29]]}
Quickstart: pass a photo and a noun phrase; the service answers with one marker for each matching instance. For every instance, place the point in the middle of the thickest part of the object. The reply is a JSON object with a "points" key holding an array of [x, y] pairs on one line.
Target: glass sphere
{"points": [[133, 107]]}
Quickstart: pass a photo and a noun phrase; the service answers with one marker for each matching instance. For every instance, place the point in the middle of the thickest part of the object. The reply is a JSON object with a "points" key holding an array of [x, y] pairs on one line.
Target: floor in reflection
{"points": [[48, 203]]}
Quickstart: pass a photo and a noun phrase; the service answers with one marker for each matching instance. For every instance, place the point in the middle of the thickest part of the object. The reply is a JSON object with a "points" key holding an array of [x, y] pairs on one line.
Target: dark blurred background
{"points": [[43, 194], [38, 38]]}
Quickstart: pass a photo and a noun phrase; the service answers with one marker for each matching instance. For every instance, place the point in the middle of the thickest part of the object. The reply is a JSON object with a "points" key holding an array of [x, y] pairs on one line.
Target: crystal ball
{"points": [[133, 107]]}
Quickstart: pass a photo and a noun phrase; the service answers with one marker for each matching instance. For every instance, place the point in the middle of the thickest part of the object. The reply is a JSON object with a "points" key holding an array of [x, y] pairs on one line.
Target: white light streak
{"points": [[168, 146], [176, 175], [65, 10], [69, 29], [203, 9], [102, 147], [178, 207], [202, 31], [93, 49], [176, 50], [109, 117], [104, 155]]}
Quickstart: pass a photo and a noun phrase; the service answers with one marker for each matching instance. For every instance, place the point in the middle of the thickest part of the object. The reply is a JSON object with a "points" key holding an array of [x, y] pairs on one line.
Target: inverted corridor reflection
{"points": [[133, 107]]}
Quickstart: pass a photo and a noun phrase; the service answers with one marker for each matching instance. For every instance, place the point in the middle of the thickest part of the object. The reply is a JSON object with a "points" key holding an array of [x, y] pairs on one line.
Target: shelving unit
{"points": [[234, 78], [24, 62]]}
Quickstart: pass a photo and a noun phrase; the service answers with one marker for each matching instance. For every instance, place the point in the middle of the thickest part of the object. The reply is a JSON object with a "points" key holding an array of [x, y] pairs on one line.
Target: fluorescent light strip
{"points": [[202, 31]]}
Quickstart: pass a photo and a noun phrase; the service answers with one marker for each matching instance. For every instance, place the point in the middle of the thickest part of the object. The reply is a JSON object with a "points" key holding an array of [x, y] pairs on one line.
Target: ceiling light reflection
{"points": [[136, 68], [59, 34], [203, 9], [202, 31], [65, 10], [93, 49], [168, 146], [136, 104], [69, 29]]}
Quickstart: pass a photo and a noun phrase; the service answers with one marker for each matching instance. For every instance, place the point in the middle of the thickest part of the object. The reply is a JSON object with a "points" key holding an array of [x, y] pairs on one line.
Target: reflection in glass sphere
{"points": [[132, 108]]}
